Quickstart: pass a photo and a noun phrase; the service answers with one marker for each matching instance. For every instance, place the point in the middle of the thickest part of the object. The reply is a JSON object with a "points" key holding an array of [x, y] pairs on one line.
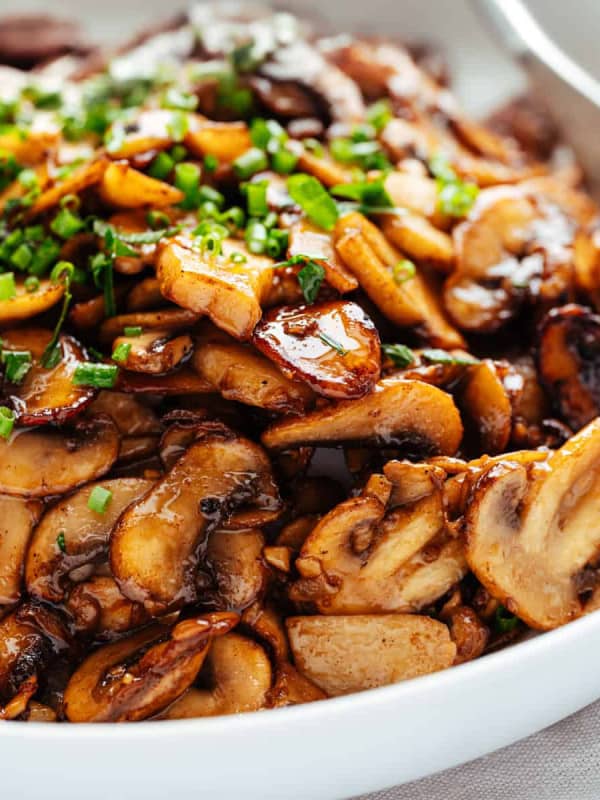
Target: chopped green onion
{"points": [[256, 237], [187, 179], [17, 363], [22, 256], [157, 220], [178, 153], [379, 114], [132, 330], [7, 422], [178, 126], [99, 499], [45, 255], [264, 132], [438, 356], [66, 224], [8, 288], [505, 621], [333, 343], [210, 162], [182, 101], [313, 198], [234, 218], [101, 376], [60, 542], [256, 198], [277, 242], [456, 199], [121, 352], [440, 168], [403, 271], [161, 167], [32, 284], [284, 162], [313, 146], [238, 258], [370, 194], [64, 272], [310, 278], [367, 155], [208, 194], [400, 354], [249, 163]]}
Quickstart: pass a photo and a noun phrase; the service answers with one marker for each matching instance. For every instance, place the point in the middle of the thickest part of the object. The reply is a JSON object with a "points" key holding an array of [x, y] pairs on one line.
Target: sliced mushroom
{"points": [[234, 563], [414, 235], [145, 296], [531, 532], [360, 559], [308, 240], [131, 417], [487, 408], [407, 300], [397, 412], [350, 653], [46, 395], [82, 178], [71, 536], [239, 373], [30, 638], [41, 463], [18, 704], [139, 676], [154, 548], [169, 319], [569, 362], [133, 222], [468, 632], [415, 192], [512, 245], [223, 140], [122, 186], [25, 305], [239, 674], [291, 688], [151, 130], [183, 382], [99, 609], [154, 353], [230, 293], [17, 520], [333, 347]]}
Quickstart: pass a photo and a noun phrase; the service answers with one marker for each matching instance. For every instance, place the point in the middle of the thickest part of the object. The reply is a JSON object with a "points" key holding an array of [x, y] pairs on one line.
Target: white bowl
{"points": [[342, 747]]}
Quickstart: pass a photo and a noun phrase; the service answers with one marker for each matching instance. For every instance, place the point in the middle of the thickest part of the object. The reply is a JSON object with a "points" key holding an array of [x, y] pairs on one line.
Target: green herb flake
{"points": [[99, 499], [401, 355], [333, 343], [60, 542], [313, 198]]}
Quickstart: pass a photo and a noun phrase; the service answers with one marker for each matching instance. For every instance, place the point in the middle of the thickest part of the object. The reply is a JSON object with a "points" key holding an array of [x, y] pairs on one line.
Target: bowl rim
{"points": [[368, 700]]}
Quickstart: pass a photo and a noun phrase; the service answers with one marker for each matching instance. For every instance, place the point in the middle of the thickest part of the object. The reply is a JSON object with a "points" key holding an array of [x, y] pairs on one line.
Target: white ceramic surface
{"points": [[337, 748]]}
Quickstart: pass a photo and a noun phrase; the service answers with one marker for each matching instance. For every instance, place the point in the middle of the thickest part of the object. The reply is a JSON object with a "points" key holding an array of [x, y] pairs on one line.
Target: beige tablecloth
{"points": [[560, 763]]}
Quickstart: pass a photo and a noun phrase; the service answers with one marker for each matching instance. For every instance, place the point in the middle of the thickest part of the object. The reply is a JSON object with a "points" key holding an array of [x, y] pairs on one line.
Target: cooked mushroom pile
{"points": [[300, 374]]}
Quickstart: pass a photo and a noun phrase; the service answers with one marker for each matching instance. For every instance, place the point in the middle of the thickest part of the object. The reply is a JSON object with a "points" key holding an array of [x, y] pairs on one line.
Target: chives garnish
{"points": [[455, 197], [310, 279], [132, 330], [22, 256], [234, 218], [66, 224], [60, 542], [7, 422], [8, 289], [256, 198], [284, 162], [250, 162], [505, 621], [438, 356], [121, 352], [187, 179], [100, 376], [333, 343], [238, 258], [210, 162], [64, 272], [32, 284], [403, 271], [17, 363], [379, 114], [256, 237], [313, 198], [99, 499], [161, 167], [400, 354]]}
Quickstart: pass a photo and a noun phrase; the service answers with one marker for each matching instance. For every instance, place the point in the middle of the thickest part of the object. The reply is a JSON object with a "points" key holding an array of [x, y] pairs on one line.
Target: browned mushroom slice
{"points": [[83, 177], [351, 653], [568, 361], [133, 222], [239, 373], [46, 395], [239, 675], [17, 520], [291, 688], [414, 235], [122, 186], [230, 293], [360, 559], [38, 712], [41, 463], [397, 412], [24, 304], [308, 240], [18, 704], [131, 417], [168, 319], [151, 130], [468, 633], [223, 140], [586, 259], [156, 353], [30, 637], [486, 406], [234, 562], [99, 609], [417, 193], [404, 299], [139, 676], [145, 296], [71, 536], [184, 381], [333, 347], [531, 532], [154, 546], [321, 165], [503, 245]]}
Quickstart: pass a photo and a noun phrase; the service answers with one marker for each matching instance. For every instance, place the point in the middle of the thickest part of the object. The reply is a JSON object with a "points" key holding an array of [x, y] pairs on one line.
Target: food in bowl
{"points": [[227, 252]]}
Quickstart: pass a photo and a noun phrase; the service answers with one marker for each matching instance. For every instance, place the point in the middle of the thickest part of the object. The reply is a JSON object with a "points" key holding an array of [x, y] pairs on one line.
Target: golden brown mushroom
{"points": [[139, 676], [234, 563], [532, 531], [406, 413], [26, 304], [100, 610], [122, 186], [17, 520], [350, 653], [154, 548], [333, 347], [156, 352]]}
